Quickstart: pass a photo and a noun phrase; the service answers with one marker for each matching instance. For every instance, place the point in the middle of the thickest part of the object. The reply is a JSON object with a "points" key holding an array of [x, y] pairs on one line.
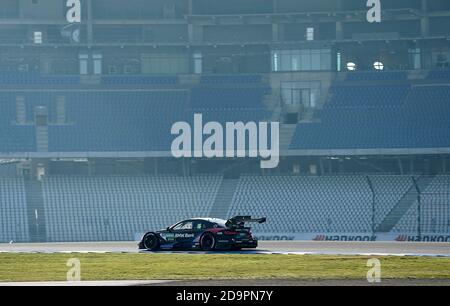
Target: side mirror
{"points": [[168, 229]]}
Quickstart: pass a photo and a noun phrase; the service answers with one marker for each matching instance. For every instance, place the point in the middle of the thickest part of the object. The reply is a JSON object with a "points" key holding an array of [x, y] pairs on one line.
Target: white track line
{"points": [[84, 283]]}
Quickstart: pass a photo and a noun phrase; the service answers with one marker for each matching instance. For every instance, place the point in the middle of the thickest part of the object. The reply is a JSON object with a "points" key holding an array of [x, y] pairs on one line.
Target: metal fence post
{"points": [[419, 208], [372, 189]]}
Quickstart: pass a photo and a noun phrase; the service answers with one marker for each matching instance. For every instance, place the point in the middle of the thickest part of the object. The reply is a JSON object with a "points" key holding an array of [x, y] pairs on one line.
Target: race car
{"points": [[205, 234]]}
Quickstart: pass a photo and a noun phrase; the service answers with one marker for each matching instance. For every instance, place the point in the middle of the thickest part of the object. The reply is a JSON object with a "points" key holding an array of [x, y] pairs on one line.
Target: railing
{"points": [[420, 206]]}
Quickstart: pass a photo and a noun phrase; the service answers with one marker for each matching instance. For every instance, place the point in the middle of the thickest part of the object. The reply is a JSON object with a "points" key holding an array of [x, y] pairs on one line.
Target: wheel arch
{"points": [[156, 234]]}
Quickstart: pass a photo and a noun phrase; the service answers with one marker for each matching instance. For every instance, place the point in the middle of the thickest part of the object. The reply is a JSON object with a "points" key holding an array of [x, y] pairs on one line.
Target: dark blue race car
{"points": [[205, 234]]}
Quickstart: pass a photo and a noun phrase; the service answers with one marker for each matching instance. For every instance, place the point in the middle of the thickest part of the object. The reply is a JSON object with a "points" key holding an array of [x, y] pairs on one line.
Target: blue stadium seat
{"points": [[34, 79], [14, 138], [376, 76], [119, 207], [231, 79], [439, 74], [125, 120], [13, 211], [222, 98], [370, 117], [119, 121], [434, 208], [338, 204], [139, 80]]}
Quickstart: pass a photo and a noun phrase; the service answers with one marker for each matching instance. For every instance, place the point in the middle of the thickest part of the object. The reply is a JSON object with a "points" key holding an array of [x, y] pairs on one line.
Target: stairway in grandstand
{"points": [[286, 133], [35, 211], [403, 205], [42, 138], [224, 198]]}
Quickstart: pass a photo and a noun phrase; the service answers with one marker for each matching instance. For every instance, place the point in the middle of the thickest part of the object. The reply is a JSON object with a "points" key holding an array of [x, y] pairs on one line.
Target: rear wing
{"points": [[239, 221]]}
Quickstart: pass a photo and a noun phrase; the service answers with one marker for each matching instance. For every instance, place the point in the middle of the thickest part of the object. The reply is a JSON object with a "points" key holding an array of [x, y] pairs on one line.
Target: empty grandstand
{"points": [[14, 221], [86, 111], [119, 207]]}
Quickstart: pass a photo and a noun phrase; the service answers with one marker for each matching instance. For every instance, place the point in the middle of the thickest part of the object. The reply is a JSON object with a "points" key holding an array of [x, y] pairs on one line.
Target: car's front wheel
{"points": [[151, 242], [208, 242]]}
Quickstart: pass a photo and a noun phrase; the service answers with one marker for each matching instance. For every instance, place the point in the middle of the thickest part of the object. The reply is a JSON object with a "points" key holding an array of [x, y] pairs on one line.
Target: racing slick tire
{"points": [[207, 242], [151, 242]]}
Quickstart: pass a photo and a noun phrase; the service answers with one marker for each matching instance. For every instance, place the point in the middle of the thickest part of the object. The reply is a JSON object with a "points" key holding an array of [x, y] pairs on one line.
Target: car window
{"points": [[187, 225], [201, 225]]}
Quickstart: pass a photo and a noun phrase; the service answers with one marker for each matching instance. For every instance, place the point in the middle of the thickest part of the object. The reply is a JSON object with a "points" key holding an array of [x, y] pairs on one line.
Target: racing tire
{"points": [[207, 242], [150, 242]]}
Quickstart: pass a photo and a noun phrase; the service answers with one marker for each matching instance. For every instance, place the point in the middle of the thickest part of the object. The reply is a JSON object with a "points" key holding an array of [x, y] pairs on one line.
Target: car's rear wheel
{"points": [[208, 242], [151, 242]]}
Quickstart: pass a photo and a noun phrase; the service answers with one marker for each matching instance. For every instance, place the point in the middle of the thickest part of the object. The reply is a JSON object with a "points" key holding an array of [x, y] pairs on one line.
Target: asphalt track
{"points": [[266, 247]]}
